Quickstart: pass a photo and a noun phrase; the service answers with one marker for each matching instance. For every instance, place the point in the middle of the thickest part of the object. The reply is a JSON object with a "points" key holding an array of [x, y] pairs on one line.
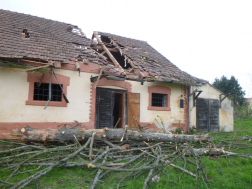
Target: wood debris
{"points": [[133, 155]]}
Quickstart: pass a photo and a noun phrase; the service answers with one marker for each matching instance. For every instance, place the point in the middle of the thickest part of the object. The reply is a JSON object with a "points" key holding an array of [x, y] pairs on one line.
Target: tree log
{"points": [[64, 134], [207, 151]]}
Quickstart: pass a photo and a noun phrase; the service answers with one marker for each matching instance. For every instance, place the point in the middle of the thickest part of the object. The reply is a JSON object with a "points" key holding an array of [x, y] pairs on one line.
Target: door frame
{"points": [[124, 108]]}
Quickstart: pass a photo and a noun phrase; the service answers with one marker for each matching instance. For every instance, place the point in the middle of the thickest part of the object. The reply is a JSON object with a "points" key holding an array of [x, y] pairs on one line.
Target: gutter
{"points": [[177, 82], [92, 79]]}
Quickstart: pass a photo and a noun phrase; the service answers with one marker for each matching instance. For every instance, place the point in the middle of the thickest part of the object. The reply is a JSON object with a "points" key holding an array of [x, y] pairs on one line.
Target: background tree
{"points": [[232, 88]]}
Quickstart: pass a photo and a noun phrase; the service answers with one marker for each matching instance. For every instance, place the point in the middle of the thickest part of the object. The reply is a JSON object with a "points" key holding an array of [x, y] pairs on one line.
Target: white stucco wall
{"points": [[14, 89], [14, 93], [176, 115], [226, 121]]}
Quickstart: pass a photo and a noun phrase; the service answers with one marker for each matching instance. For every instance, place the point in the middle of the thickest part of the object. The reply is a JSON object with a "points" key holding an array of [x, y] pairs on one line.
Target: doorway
{"points": [[110, 110], [207, 112]]}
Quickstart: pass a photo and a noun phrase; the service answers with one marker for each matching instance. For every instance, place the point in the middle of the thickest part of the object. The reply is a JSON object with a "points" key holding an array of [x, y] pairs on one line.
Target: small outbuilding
{"points": [[210, 109]]}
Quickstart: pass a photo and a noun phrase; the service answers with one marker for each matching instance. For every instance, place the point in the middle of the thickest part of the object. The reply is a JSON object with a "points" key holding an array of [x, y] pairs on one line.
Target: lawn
{"points": [[222, 172]]}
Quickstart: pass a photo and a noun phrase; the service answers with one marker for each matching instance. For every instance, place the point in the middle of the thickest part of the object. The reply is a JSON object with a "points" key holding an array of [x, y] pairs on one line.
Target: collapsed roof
{"points": [[24, 36], [146, 58]]}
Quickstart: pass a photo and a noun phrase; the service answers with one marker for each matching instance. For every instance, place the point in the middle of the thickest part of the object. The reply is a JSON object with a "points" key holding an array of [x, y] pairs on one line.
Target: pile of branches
{"points": [[133, 157]]}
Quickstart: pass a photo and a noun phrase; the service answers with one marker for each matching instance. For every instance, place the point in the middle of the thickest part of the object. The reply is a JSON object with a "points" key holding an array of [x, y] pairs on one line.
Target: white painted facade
{"points": [[14, 89], [14, 93], [176, 115]]}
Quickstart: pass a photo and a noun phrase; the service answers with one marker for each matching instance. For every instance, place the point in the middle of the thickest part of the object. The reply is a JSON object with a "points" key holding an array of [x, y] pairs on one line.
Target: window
{"points": [[181, 103], [41, 92], [159, 98], [38, 95]]}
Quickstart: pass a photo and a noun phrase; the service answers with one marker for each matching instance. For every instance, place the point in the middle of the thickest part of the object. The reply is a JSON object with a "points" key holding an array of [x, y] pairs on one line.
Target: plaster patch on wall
{"points": [[227, 107]]}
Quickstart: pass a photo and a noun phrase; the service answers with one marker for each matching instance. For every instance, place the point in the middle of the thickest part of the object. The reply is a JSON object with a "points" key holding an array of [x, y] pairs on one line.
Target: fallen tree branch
{"points": [[25, 182], [140, 154]]}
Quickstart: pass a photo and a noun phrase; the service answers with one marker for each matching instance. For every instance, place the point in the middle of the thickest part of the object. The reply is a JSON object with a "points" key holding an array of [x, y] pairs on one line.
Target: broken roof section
{"points": [[139, 54], [26, 36]]}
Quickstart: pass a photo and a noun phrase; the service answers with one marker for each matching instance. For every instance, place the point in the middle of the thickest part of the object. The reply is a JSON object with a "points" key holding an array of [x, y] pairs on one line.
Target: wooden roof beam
{"points": [[122, 54], [107, 51], [99, 47], [35, 68], [129, 61], [117, 46]]}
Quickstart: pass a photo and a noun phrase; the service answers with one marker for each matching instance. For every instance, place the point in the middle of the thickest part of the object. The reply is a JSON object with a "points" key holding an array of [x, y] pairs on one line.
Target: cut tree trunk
{"points": [[82, 134]]}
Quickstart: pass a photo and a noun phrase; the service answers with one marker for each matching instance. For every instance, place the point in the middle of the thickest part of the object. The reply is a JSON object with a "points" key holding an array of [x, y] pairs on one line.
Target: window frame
{"points": [[56, 92], [159, 90], [159, 99], [36, 78]]}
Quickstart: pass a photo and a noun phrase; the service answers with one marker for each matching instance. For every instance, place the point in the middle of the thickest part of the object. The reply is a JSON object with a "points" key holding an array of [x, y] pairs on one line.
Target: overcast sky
{"points": [[206, 39]]}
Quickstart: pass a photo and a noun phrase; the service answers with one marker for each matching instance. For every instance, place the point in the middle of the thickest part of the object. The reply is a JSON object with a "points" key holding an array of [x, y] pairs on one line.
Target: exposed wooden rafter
{"points": [[107, 51], [35, 68], [102, 54], [122, 54], [141, 75], [98, 77], [25, 60], [100, 47], [117, 46], [129, 61]]}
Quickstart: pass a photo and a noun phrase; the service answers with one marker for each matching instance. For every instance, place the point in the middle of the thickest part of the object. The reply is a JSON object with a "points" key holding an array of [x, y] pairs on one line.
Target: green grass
{"points": [[223, 172]]}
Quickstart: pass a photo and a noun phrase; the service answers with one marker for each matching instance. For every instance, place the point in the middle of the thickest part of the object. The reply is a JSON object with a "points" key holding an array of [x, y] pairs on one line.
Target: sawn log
{"points": [[82, 134]]}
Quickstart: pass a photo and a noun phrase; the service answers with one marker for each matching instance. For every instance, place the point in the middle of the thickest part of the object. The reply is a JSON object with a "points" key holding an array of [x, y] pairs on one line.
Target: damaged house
{"points": [[52, 74]]}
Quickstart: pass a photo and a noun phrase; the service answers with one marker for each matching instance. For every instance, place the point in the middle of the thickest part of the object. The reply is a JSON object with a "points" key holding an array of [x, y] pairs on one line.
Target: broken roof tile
{"points": [[41, 38], [142, 54]]}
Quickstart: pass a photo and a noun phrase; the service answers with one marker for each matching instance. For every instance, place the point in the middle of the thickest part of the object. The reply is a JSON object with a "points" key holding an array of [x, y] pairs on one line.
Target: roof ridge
{"points": [[122, 36], [39, 17]]}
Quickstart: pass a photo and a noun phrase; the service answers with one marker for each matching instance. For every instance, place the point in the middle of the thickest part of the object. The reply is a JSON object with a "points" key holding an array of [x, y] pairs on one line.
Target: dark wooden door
{"points": [[207, 112], [133, 109], [104, 108]]}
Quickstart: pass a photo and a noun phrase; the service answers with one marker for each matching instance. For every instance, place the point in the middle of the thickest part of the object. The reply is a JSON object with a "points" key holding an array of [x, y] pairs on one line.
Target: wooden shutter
{"points": [[104, 108], [214, 115], [207, 112], [133, 109]]}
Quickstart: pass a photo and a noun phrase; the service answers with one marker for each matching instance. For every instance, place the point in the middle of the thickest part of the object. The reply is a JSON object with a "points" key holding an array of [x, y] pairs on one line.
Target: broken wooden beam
{"points": [[35, 68], [117, 46], [107, 51], [99, 47], [98, 77]]}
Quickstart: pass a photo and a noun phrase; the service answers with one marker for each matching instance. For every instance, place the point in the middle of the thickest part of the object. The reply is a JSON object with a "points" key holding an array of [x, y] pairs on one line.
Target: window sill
{"points": [[43, 103], [159, 108]]}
